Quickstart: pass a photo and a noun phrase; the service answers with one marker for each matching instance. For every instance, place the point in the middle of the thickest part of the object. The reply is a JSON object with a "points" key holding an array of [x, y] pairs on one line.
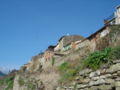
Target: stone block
{"points": [[85, 71], [95, 78], [110, 81], [114, 68], [117, 84], [117, 88], [94, 74], [98, 82]]}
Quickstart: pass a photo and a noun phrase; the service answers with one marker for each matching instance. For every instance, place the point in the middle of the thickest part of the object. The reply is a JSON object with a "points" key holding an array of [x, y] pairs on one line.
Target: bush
{"points": [[96, 59], [69, 70]]}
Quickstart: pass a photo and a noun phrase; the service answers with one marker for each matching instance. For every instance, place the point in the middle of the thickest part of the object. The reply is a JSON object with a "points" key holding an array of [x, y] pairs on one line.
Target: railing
{"points": [[110, 17], [110, 20]]}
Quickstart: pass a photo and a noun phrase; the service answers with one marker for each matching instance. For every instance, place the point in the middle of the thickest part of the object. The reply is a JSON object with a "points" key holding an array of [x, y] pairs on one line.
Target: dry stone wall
{"points": [[107, 78]]}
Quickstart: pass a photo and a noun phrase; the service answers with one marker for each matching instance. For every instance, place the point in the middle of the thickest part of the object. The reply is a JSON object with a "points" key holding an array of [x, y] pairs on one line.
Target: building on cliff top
{"points": [[114, 18], [95, 38], [67, 42]]}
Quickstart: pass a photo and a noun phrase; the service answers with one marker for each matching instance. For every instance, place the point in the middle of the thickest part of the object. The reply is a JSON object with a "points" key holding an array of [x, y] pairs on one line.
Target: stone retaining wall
{"points": [[107, 78]]}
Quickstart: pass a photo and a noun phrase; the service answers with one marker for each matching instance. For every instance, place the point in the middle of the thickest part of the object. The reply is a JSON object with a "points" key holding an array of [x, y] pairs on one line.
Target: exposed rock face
{"points": [[41, 74], [27, 83], [97, 80], [36, 76]]}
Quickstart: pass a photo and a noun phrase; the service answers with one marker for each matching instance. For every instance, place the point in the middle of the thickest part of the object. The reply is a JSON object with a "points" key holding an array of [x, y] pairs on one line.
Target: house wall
{"points": [[66, 48], [71, 46], [61, 44], [74, 45], [97, 43], [82, 44], [57, 48], [117, 15]]}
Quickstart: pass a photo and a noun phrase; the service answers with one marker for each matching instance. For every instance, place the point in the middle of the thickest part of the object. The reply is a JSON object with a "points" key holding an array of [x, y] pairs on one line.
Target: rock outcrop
{"points": [[41, 72]]}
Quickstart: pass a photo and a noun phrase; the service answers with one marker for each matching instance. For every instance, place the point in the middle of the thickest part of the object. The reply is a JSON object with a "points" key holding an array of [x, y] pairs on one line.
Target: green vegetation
{"points": [[69, 70], [96, 59], [8, 82]]}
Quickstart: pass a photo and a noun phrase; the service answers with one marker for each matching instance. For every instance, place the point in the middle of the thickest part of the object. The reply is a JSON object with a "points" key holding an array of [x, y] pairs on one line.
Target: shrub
{"points": [[96, 59]]}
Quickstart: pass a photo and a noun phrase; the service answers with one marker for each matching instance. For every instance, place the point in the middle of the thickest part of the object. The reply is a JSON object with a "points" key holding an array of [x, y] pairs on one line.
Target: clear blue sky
{"points": [[28, 27]]}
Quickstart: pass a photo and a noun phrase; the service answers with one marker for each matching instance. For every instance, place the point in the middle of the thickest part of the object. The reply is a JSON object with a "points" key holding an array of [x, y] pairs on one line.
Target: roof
{"points": [[50, 48], [71, 38], [98, 31], [118, 7], [61, 38]]}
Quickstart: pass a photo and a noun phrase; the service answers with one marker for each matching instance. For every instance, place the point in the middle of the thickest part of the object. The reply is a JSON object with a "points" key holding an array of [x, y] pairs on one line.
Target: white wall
{"points": [[117, 15]]}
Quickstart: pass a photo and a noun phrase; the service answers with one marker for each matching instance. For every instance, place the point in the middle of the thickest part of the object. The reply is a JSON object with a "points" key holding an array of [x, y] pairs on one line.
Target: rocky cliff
{"points": [[94, 65]]}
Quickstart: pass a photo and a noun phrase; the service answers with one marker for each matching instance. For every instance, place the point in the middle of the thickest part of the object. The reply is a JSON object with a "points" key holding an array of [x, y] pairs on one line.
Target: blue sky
{"points": [[28, 27]]}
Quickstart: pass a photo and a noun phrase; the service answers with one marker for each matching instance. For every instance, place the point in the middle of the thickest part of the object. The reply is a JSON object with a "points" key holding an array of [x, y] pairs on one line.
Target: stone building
{"points": [[67, 42], [95, 38], [114, 18]]}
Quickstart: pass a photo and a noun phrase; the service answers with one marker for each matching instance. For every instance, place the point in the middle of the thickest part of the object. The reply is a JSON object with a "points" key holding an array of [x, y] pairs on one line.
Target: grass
{"points": [[96, 59], [8, 82], [69, 70]]}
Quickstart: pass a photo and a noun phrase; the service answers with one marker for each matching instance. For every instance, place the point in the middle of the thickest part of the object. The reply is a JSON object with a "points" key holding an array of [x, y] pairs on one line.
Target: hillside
{"points": [[93, 65]]}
